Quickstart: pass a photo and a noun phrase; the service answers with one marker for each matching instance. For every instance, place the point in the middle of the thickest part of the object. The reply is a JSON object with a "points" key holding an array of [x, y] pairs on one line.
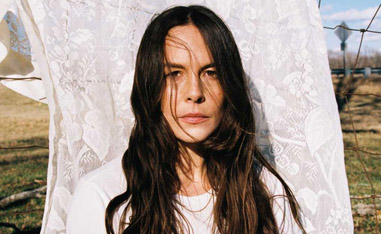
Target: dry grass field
{"points": [[361, 119], [22, 122], [25, 122]]}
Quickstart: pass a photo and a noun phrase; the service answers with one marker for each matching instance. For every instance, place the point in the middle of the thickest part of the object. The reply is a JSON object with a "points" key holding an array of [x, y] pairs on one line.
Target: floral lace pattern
{"points": [[85, 52]]}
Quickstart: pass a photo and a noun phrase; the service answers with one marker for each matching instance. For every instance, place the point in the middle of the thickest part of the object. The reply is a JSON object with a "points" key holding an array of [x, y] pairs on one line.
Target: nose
{"points": [[195, 90]]}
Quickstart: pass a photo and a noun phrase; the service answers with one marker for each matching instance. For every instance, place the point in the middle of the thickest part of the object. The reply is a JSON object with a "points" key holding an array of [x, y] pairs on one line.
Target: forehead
{"points": [[184, 44]]}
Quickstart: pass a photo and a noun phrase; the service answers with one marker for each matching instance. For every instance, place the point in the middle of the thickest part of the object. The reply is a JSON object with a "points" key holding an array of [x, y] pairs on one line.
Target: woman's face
{"points": [[193, 97]]}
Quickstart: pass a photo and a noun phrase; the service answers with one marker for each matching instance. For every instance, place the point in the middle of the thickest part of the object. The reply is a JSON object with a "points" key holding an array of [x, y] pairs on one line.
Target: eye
{"points": [[173, 74], [210, 73]]}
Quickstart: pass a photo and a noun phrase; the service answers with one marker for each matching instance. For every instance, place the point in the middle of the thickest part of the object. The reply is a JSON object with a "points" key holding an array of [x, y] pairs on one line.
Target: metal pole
{"points": [[345, 67], [344, 49]]}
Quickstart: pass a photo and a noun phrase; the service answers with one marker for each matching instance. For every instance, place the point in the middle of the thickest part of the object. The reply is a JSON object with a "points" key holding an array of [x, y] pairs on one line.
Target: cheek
{"points": [[167, 102], [219, 99]]}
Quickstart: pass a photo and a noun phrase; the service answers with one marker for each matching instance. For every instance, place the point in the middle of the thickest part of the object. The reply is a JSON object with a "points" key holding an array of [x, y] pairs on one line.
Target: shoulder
{"points": [[91, 197], [281, 207], [272, 183], [109, 178]]}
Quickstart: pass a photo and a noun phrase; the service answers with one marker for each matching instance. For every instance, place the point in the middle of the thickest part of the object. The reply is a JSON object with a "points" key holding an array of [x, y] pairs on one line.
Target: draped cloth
{"points": [[84, 51]]}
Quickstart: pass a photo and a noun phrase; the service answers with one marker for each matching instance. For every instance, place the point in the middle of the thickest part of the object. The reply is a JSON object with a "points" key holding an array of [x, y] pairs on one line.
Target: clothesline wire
{"points": [[24, 147], [365, 197], [362, 37], [374, 16], [352, 29], [364, 151], [361, 94], [360, 159], [23, 78]]}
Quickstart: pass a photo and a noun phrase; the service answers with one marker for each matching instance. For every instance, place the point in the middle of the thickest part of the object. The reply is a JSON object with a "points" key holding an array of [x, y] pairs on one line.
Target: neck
{"points": [[192, 173]]}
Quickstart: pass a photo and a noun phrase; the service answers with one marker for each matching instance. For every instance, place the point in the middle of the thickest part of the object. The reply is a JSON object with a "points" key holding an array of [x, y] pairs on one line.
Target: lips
{"points": [[194, 118]]}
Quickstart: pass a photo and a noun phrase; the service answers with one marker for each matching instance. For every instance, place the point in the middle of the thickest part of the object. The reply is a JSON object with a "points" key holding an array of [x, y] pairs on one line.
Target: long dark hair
{"points": [[233, 162]]}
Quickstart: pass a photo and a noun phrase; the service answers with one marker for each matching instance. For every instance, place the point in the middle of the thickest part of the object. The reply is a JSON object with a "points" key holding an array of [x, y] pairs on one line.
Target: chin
{"points": [[189, 140], [194, 133], [193, 136]]}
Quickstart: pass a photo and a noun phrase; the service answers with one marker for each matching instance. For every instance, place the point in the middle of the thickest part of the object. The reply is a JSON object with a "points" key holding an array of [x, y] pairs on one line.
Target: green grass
{"points": [[358, 182], [22, 122], [25, 122]]}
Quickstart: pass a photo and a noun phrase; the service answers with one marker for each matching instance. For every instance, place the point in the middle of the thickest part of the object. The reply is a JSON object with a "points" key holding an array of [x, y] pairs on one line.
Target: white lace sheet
{"points": [[84, 51]]}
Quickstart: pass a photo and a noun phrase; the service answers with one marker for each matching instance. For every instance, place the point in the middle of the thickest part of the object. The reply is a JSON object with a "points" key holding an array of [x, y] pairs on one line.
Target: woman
{"points": [[192, 165]]}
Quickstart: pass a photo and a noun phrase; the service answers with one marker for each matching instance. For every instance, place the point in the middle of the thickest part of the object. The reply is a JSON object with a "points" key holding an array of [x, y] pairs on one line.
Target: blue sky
{"points": [[356, 14]]}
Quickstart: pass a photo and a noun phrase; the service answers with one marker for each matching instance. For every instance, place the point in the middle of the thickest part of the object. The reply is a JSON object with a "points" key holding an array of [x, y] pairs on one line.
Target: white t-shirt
{"points": [[94, 191]]}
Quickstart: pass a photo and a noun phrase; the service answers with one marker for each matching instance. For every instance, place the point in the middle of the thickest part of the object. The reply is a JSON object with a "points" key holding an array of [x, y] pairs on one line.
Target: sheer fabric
{"points": [[84, 51]]}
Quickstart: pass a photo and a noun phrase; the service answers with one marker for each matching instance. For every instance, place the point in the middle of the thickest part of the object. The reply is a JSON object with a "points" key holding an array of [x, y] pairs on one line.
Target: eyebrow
{"points": [[207, 66], [176, 65]]}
